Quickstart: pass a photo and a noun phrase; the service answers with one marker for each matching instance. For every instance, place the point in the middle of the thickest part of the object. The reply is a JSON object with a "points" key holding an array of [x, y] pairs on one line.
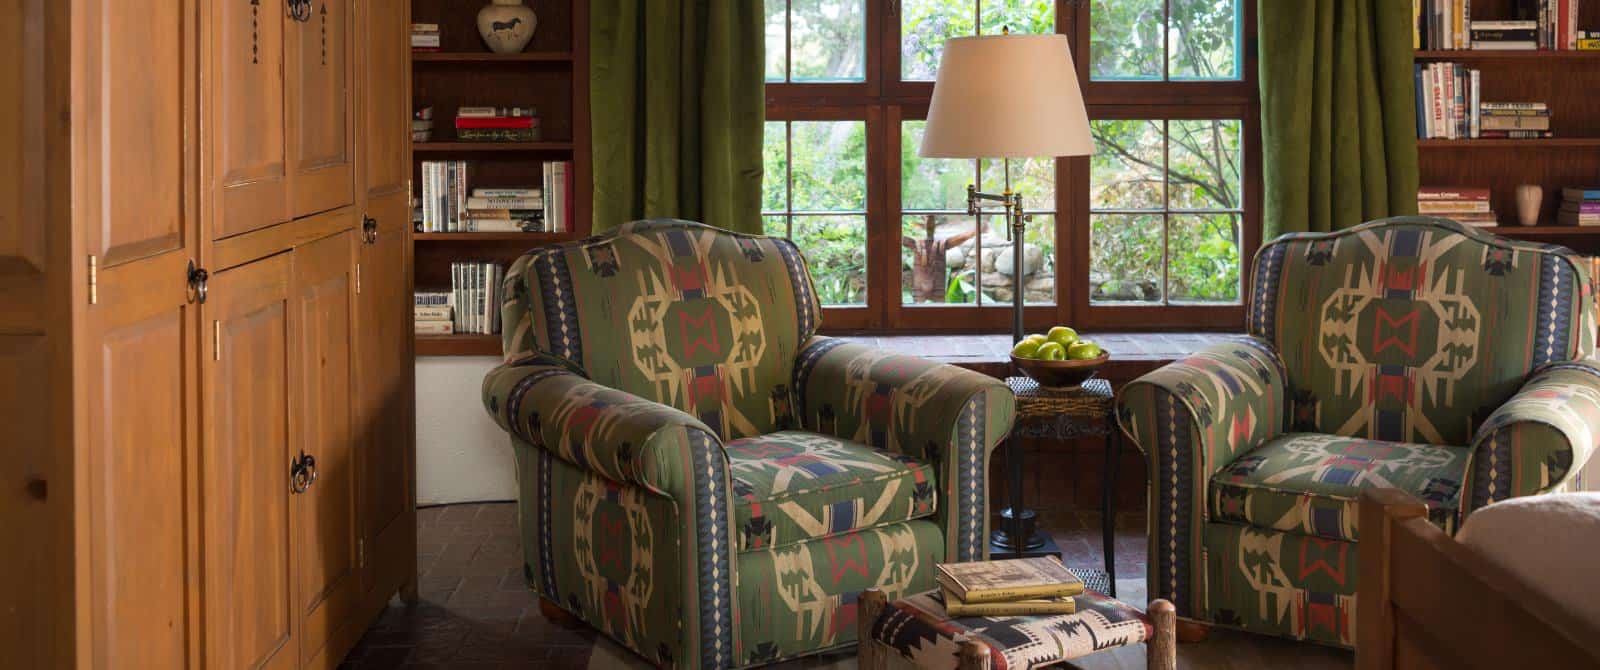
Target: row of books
{"points": [[1013, 587], [449, 204], [1545, 24], [422, 124], [472, 305], [425, 37], [1450, 107], [1465, 204]]}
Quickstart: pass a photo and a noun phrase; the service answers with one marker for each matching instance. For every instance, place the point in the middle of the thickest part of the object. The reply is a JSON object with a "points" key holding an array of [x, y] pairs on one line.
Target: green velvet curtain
{"points": [[677, 109], [1338, 122]]}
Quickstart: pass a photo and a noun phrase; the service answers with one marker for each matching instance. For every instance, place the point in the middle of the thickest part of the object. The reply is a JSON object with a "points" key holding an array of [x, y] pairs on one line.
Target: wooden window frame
{"points": [[883, 101]]}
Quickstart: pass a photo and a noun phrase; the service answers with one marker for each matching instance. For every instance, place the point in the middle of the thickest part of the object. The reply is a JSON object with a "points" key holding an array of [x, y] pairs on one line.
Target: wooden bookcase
{"points": [[552, 74], [1562, 79]]}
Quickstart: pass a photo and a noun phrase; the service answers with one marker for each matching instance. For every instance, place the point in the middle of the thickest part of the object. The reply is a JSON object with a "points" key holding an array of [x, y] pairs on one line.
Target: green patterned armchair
{"points": [[1411, 352], [701, 477]]}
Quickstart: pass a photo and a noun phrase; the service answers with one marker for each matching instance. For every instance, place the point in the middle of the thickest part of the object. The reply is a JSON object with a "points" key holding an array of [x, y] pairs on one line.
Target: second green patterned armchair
{"points": [[701, 477], [1412, 353]]}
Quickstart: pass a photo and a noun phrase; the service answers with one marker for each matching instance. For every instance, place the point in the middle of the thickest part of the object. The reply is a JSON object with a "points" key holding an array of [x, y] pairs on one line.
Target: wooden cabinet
{"points": [[204, 353]]}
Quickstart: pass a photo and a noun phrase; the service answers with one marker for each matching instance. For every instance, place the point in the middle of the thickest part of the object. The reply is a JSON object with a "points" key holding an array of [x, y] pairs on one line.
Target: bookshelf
{"points": [[1565, 80], [551, 75]]}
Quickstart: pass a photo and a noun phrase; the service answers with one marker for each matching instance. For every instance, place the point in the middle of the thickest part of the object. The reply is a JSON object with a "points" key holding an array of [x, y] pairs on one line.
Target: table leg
{"points": [[1108, 503], [1019, 541]]}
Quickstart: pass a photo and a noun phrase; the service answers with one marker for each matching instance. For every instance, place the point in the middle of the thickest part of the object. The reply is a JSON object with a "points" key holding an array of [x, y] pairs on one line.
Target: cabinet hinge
{"points": [[361, 553], [216, 340], [94, 280], [358, 279]]}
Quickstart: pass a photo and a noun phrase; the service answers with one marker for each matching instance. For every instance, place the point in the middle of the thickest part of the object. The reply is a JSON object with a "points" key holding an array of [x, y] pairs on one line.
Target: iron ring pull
{"points": [[300, 10], [302, 473], [369, 230], [198, 278]]}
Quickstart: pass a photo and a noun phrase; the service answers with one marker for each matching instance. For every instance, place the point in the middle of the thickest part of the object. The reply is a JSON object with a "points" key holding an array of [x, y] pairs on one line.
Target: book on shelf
{"points": [[433, 328], [505, 193], [489, 112], [1452, 206], [955, 606], [1452, 193], [430, 298], [515, 122], [1579, 207], [1515, 134], [475, 293], [431, 312], [1465, 204], [523, 202], [1580, 194], [1012, 579], [558, 196], [1451, 24], [424, 37], [447, 207], [498, 134]]}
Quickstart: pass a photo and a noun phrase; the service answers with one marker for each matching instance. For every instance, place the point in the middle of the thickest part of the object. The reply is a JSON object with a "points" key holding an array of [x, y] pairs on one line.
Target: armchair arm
{"points": [[1539, 439], [942, 414], [547, 402], [1191, 418]]}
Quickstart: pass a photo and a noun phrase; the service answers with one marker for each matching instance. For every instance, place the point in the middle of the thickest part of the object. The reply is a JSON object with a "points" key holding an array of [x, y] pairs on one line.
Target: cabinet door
{"points": [[246, 163], [132, 129], [324, 515], [321, 123], [384, 364], [245, 493]]}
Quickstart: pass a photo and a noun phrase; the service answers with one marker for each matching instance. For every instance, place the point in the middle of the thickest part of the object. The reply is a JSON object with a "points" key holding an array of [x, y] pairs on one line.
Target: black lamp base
{"points": [[1001, 544]]}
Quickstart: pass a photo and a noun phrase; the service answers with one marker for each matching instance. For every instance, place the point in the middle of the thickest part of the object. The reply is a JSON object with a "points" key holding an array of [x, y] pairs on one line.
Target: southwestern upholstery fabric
{"points": [[1410, 352], [704, 479], [919, 630]]}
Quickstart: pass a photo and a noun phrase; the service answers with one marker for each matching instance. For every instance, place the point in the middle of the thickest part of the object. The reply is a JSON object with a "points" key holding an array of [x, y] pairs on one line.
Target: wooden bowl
{"points": [[1066, 374]]}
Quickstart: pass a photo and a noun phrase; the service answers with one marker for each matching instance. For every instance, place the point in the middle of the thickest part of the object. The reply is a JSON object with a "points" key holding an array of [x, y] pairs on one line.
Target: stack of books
{"points": [[1450, 24], [1016, 587], [1589, 40], [1579, 207], [434, 315], [1467, 205], [475, 294], [424, 37], [422, 124], [1521, 120], [497, 124], [449, 204]]}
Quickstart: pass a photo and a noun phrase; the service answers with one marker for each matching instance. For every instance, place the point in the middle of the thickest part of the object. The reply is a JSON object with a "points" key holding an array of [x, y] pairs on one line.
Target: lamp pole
{"points": [[1011, 201]]}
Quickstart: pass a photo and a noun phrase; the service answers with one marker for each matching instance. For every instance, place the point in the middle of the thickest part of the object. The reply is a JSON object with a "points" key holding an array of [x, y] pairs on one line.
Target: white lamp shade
{"points": [[1006, 96]]}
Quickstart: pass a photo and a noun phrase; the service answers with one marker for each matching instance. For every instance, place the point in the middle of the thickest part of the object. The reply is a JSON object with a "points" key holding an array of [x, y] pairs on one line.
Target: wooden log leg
{"points": [[1192, 631], [974, 655], [408, 593], [870, 654], [1162, 650], [554, 614]]}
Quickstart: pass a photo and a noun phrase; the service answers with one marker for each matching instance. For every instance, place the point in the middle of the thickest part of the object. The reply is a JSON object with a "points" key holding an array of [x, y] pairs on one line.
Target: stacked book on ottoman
{"points": [[1007, 588]]}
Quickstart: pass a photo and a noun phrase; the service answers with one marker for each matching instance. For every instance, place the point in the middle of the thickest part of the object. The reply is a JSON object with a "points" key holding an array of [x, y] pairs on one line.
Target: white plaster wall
{"points": [[462, 455]]}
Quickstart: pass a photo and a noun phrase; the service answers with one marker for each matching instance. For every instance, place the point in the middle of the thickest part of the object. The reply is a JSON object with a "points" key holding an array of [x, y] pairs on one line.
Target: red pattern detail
{"points": [[1403, 280], [1392, 387], [840, 562], [613, 540], [1310, 567], [706, 327], [1383, 340], [687, 277]]}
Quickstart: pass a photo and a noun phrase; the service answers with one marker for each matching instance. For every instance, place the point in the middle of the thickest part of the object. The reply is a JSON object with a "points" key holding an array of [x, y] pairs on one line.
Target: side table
{"points": [[1060, 414]]}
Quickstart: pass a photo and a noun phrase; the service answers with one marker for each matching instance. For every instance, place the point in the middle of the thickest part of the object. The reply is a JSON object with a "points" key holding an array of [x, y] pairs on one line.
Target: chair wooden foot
{"points": [[1162, 651], [974, 655], [1192, 631], [870, 655], [554, 614]]}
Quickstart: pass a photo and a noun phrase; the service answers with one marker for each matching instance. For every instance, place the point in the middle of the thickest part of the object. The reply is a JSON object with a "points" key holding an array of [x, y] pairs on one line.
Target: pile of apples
{"points": [[1061, 343]]}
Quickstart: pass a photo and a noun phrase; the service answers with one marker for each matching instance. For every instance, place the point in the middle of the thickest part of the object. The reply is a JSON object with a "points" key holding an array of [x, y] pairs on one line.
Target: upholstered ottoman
{"points": [[916, 633]]}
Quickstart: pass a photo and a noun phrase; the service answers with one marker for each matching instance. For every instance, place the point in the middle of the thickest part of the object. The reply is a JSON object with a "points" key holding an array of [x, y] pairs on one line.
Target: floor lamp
{"points": [[1007, 96]]}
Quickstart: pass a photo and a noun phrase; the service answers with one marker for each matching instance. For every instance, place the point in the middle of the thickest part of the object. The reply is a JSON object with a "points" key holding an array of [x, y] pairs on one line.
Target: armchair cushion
{"points": [[1309, 483], [794, 486], [1537, 441]]}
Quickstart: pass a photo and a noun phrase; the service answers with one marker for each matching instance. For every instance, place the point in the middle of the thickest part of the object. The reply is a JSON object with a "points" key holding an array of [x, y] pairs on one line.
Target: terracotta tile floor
{"points": [[477, 612]]}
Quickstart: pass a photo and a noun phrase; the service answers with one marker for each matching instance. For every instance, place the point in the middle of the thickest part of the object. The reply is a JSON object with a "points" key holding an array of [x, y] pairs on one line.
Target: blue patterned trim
{"points": [[560, 304], [1172, 577], [800, 281], [805, 362], [1567, 365], [514, 398], [1264, 296], [969, 497], [547, 562], [1491, 469], [712, 551], [1553, 325]]}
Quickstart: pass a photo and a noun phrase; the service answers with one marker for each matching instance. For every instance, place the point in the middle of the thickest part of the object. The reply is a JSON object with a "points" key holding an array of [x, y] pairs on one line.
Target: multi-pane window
{"points": [[1155, 229], [1165, 211], [814, 191]]}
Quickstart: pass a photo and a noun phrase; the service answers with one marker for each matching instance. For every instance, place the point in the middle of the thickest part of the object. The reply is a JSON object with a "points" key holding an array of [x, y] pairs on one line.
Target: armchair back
{"points": [[1414, 329], [693, 317]]}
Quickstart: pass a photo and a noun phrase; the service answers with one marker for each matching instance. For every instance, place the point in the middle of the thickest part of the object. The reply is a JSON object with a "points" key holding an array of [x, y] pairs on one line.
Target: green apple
{"points": [[1063, 336], [1036, 338], [1084, 349], [1052, 351], [1025, 349]]}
